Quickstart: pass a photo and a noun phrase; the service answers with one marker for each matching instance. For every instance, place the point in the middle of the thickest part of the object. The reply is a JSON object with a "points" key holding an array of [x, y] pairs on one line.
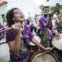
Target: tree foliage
{"points": [[56, 7], [53, 8]]}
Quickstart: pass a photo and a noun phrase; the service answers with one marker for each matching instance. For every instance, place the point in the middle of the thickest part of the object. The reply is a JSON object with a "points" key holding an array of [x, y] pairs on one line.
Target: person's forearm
{"points": [[38, 44], [16, 46]]}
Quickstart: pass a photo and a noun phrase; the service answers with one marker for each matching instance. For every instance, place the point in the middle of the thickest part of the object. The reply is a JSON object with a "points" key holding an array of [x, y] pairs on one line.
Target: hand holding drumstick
{"points": [[17, 26]]}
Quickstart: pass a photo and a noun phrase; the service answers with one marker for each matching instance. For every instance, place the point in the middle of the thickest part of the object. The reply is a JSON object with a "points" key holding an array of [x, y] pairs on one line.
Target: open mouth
{"points": [[21, 16]]}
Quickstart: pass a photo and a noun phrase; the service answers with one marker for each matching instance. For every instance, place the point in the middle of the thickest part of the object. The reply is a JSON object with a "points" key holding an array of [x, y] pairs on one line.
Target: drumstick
{"points": [[6, 30], [1, 31]]}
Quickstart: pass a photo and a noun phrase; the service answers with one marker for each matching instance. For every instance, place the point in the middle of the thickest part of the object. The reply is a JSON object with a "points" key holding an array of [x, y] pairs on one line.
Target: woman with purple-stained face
{"points": [[19, 52], [46, 29], [43, 30]]}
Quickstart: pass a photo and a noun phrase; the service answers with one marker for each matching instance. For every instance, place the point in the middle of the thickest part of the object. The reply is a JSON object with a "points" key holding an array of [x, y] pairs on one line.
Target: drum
{"points": [[43, 57], [57, 42], [37, 38]]}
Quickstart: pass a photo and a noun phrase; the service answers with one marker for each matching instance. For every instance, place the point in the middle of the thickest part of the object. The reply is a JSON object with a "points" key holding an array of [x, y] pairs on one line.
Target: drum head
{"points": [[57, 42], [46, 57]]}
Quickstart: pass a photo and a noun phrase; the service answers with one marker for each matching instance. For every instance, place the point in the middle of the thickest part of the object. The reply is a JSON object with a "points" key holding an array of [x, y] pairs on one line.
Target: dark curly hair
{"points": [[9, 17]]}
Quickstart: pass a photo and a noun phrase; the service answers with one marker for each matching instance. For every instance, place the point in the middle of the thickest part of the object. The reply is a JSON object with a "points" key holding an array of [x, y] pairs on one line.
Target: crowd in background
{"points": [[16, 46]]}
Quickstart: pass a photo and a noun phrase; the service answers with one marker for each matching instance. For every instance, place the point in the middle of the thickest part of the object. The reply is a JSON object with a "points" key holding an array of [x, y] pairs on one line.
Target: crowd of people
{"points": [[17, 45]]}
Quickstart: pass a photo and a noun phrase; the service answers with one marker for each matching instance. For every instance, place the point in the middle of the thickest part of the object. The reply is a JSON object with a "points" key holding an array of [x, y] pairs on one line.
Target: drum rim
{"points": [[43, 52]]}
